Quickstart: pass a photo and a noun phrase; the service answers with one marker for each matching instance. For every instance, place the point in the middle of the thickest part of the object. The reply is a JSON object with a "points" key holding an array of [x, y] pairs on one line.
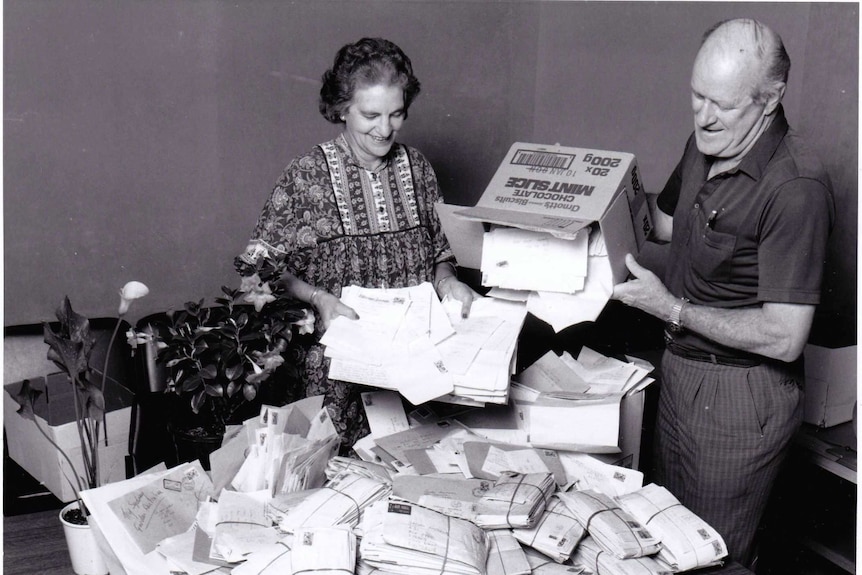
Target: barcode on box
{"points": [[542, 159]]}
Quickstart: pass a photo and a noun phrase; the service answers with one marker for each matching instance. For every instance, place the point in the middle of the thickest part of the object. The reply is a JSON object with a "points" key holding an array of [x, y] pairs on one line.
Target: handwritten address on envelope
{"points": [[164, 507]]}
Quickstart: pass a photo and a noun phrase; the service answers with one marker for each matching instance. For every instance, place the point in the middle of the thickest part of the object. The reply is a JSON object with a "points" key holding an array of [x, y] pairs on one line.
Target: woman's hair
{"points": [[368, 62]]}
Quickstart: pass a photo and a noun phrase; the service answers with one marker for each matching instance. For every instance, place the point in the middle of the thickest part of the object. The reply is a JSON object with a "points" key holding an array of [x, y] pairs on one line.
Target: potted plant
{"points": [[219, 359], [70, 347]]}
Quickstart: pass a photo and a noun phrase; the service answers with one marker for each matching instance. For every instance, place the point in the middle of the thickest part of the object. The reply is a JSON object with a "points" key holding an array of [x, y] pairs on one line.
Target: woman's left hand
{"points": [[459, 291]]}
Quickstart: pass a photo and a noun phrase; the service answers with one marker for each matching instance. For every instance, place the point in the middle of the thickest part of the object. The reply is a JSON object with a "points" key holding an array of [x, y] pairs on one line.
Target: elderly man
{"points": [[747, 212]]}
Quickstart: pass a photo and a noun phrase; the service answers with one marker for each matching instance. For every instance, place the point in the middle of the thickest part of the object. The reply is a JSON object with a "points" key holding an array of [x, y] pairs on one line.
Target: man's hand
{"points": [[644, 291], [776, 330]]}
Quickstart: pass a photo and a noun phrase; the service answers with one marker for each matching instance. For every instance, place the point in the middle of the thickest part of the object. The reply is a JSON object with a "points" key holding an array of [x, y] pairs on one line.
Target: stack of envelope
{"points": [[556, 533], [340, 464], [282, 450], [612, 528], [448, 494], [519, 259], [340, 502], [591, 556], [564, 280], [505, 555], [688, 542], [542, 565], [242, 526], [323, 551], [404, 538], [515, 500], [407, 340]]}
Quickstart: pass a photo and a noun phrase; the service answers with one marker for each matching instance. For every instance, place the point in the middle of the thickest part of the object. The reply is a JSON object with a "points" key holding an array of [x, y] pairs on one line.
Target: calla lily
{"points": [[131, 291]]}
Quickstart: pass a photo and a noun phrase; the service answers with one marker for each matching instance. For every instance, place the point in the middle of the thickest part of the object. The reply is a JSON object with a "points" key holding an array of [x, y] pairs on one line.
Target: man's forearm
{"points": [[779, 331]]}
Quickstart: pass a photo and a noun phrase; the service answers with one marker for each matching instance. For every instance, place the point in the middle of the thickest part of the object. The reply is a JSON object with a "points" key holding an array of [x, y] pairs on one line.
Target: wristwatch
{"points": [[674, 320]]}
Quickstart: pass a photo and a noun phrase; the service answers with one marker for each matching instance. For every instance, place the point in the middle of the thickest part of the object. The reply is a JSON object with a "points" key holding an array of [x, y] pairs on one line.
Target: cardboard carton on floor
{"points": [[559, 190], [830, 384], [562, 427], [55, 412]]}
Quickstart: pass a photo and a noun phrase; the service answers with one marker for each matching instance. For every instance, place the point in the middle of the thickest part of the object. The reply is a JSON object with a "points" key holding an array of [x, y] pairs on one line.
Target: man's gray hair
{"points": [[770, 50]]}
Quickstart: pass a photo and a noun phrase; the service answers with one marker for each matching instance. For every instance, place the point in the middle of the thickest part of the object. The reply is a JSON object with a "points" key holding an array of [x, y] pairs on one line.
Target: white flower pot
{"points": [[85, 554]]}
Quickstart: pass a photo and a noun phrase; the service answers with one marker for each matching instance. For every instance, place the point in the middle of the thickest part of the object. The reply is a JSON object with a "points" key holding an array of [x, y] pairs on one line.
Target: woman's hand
{"points": [[454, 289], [329, 307]]}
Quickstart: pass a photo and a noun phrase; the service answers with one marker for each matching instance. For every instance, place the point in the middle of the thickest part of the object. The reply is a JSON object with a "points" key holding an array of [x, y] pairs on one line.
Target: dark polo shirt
{"points": [[754, 234]]}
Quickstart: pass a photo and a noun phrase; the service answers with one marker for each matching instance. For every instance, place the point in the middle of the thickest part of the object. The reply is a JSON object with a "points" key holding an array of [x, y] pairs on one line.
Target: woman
{"points": [[357, 210]]}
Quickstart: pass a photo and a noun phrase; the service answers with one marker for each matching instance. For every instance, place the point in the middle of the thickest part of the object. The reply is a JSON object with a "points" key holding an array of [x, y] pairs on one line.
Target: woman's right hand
{"points": [[329, 307]]}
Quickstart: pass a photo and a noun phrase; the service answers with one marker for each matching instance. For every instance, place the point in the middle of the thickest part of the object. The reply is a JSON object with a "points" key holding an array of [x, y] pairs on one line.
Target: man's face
{"points": [[727, 120]]}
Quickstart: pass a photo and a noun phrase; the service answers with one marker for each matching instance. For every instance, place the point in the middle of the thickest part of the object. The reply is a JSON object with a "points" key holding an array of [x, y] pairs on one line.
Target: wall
{"points": [[141, 139]]}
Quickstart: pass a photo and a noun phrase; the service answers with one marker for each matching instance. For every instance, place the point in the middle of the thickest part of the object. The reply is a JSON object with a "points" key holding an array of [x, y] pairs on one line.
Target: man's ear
{"points": [[775, 94]]}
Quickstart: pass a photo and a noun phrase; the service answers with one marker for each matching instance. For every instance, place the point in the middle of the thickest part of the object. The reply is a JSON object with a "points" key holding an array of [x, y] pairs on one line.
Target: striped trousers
{"points": [[722, 434]]}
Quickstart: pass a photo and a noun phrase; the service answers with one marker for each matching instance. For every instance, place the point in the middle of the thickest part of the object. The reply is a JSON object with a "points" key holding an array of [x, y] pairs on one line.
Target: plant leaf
{"points": [[27, 396], [198, 400], [234, 372], [94, 401], [209, 371], [214, 390], [67, 354], [232, 388], [192, 383]]}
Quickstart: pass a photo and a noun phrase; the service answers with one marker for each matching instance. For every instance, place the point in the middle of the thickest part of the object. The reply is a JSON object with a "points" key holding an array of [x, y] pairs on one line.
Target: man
{"points": [[747, 212]]}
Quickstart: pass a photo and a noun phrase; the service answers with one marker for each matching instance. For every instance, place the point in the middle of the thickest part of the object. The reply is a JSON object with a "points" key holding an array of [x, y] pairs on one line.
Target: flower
{"points": [[256, 291], [305, 325], [130, 292], [219, 357]]}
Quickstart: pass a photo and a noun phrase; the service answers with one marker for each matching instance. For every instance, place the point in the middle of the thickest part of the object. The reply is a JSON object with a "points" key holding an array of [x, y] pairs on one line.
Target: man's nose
{"points": [[704, 114]]}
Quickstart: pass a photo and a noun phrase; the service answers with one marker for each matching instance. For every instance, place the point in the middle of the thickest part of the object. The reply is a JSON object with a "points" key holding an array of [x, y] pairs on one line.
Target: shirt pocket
{"points": [[712, 254]]}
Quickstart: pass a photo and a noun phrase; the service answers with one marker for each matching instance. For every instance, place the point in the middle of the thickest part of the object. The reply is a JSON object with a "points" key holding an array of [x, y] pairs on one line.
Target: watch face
{"points": [[673, 327]]}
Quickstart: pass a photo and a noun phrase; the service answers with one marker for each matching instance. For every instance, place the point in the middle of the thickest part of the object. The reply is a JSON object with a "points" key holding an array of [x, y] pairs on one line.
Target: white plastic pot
{"points": [[85, 555]]}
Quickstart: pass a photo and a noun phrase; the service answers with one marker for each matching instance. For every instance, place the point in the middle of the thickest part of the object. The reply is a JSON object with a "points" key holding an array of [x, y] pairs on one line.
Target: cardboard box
{"points": [[559, 190], [622, 450], [55, 413], [631, 431], [510, 423], [830, 384]]}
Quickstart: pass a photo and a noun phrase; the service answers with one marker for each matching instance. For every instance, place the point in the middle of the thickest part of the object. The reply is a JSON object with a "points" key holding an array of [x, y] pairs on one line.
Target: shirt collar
{"points": [[755, 161]]}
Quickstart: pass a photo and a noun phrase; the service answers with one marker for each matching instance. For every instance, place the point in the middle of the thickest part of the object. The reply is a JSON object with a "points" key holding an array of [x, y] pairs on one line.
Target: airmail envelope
{"points": [[558, 190]]}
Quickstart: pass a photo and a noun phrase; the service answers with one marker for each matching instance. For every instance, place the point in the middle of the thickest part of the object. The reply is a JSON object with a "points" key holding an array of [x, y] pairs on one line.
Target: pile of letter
{"points": [[561, 280], [278, 501], [407, 340]]}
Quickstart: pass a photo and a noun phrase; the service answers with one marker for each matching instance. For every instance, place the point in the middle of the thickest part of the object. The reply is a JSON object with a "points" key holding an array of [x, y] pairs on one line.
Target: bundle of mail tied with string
{"points": [[407, 340], [475, 507], [552, 229]]}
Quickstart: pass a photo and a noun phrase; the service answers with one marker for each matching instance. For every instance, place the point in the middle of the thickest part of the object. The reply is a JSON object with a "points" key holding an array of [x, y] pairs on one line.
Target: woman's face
{"points": [[373, 117]]}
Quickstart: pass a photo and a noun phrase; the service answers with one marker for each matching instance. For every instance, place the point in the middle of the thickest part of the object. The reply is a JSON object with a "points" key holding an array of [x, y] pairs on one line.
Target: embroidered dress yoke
{"points": [[337, 223]]}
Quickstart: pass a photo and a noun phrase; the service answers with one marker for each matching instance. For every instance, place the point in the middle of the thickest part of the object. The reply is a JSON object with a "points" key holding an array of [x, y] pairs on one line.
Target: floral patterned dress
{"points": [[337, 223]]}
